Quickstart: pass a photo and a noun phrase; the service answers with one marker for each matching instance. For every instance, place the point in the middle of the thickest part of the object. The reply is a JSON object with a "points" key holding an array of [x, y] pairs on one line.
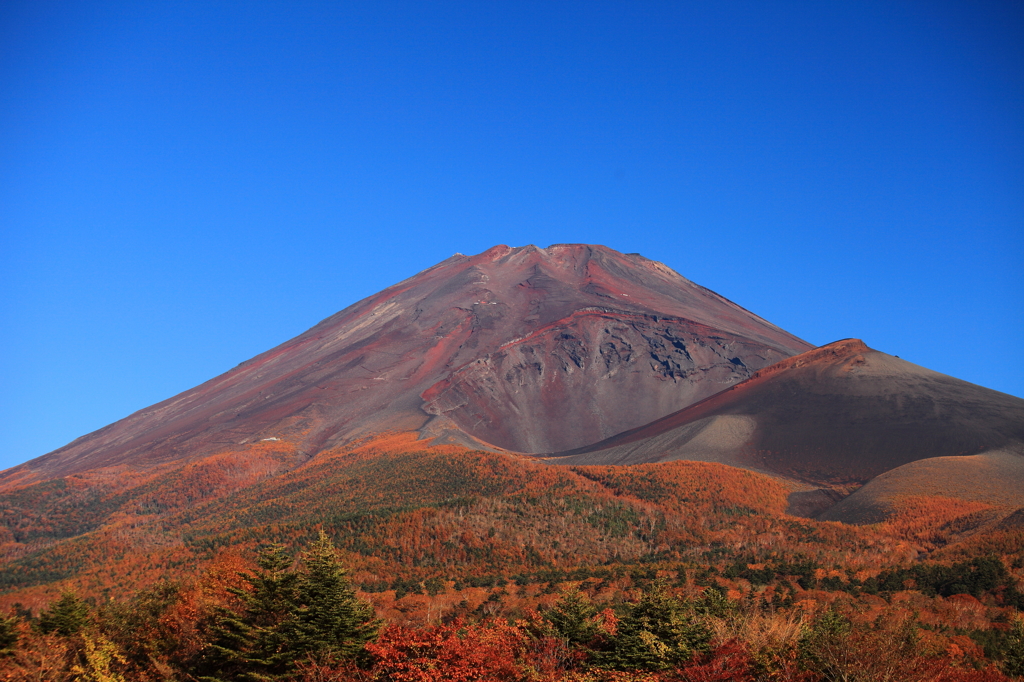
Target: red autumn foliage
{"points": [[730, 662], [452, 652]]}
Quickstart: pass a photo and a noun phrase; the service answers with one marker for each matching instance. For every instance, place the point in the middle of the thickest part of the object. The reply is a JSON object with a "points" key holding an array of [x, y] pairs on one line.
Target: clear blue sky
{"points": [[186, 184]]}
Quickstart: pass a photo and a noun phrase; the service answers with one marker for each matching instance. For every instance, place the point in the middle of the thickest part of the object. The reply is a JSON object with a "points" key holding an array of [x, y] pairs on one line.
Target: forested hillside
{"points": [[458, 550]]}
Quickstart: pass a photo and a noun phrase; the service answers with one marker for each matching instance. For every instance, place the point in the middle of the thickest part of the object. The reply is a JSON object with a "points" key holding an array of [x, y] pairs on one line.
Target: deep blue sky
{"points": [[185, 185]]}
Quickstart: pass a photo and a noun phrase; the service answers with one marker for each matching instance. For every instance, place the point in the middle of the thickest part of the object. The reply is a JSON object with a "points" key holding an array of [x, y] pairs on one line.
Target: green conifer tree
{"points": [[714, 602], [252, 642], [330, 620], [572, 618], [286, 616], [658, 633], [824, 647], [8, 635], [66, 616], [1013, 653]]}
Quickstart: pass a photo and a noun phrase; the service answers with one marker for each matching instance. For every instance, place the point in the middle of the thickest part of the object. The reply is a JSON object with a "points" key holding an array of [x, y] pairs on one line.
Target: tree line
{"points": [[304, 621]]}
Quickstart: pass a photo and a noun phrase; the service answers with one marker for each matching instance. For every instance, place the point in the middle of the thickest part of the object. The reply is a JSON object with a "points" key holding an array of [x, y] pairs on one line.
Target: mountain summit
{"points": [[375, 426], [525, 349]]}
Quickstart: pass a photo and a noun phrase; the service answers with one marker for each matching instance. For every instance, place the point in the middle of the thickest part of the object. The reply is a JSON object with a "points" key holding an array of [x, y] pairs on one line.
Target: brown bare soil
{"points": [[994, 478], [835, 416]]}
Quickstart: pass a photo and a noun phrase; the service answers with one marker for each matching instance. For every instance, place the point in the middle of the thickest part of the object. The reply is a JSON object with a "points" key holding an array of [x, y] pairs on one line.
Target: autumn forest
{"points": [[391, 559]]}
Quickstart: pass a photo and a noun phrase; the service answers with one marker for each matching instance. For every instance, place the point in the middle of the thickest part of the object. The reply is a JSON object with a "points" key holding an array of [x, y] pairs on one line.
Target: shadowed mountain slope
{"points": [[528, 349], [994, 478], [837, 415]]}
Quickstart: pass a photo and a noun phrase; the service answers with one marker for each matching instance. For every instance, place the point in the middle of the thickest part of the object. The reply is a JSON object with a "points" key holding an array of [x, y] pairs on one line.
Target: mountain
{"points": [[415, 427], [524, 349], [993, 479], [839, 416], [403, 510]]}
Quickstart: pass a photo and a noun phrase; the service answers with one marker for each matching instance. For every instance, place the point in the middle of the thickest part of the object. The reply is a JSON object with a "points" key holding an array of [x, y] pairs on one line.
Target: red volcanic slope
{"points": [[528, 349], [839, 414]]}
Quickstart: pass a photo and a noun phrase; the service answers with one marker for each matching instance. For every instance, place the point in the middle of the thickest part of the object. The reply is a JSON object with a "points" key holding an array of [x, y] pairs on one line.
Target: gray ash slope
{"points": [[837, 417]]}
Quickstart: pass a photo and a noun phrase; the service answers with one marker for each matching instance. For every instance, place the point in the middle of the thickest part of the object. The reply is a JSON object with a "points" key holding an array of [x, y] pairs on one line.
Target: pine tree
{"points": [[8, 635], [713, 602], [286, 616], [825, 646], [1013, 654], [330, 621], [252, 642], [66, 616], [658, 633], [572, 618]]}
